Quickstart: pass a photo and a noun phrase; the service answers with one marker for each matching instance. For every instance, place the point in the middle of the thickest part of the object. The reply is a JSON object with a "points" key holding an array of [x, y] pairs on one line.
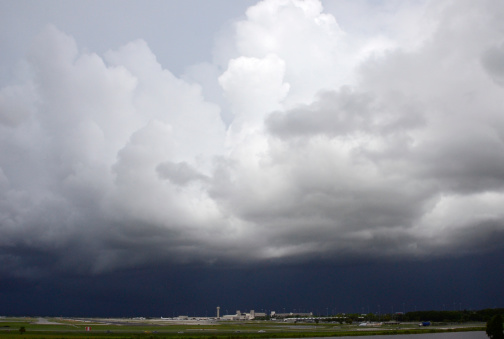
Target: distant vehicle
{"points": [[424, 323], [261, 331]]}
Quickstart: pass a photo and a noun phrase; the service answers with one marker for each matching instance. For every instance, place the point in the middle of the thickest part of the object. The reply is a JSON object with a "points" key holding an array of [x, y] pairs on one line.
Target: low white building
{"points": [[243, 316]]}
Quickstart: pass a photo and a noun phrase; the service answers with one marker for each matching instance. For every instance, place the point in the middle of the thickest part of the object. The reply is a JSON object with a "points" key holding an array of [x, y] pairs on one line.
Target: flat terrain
{"points": [[49, 328]]}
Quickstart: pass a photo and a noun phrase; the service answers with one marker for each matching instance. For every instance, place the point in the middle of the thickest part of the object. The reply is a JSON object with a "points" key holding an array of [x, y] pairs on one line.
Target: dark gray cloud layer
{"points": [[492, 61], [356, 287], [334, 145]]}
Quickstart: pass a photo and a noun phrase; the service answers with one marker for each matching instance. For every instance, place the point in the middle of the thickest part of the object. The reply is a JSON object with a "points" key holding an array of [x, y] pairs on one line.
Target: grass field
{"points": [[52, 328]]}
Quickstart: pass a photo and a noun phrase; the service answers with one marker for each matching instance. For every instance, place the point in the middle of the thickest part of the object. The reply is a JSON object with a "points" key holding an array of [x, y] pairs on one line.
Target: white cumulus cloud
{"points": [[338, 143]]}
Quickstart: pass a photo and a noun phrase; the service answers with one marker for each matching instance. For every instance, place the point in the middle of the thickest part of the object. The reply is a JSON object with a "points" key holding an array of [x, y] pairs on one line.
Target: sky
{"points": [[168, 157]]}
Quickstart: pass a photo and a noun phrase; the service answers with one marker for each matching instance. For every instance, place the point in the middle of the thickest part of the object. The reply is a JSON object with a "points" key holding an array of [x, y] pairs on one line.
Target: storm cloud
{"points": [[321, 143]]}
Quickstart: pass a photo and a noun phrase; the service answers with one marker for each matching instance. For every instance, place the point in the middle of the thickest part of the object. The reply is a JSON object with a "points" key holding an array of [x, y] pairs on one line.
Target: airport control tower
{"points": [[218, 310]]}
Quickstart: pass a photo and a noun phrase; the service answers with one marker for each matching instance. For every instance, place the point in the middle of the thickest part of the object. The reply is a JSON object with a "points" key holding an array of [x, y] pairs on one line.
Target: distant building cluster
{"points": [[251, 315], [243, 316]]}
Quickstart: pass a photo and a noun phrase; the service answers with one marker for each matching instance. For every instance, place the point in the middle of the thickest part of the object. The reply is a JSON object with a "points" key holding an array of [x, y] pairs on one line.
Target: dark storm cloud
{"points": [[426, 137], [319, 287], [337, 148]]}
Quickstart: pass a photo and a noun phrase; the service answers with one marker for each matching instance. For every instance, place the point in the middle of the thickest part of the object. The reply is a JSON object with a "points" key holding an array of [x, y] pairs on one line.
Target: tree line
{"points": [[453, 316]]}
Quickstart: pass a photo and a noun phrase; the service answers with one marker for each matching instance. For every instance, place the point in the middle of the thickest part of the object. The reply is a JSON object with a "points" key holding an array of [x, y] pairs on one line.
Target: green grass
{"points": [[9, 329]]}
